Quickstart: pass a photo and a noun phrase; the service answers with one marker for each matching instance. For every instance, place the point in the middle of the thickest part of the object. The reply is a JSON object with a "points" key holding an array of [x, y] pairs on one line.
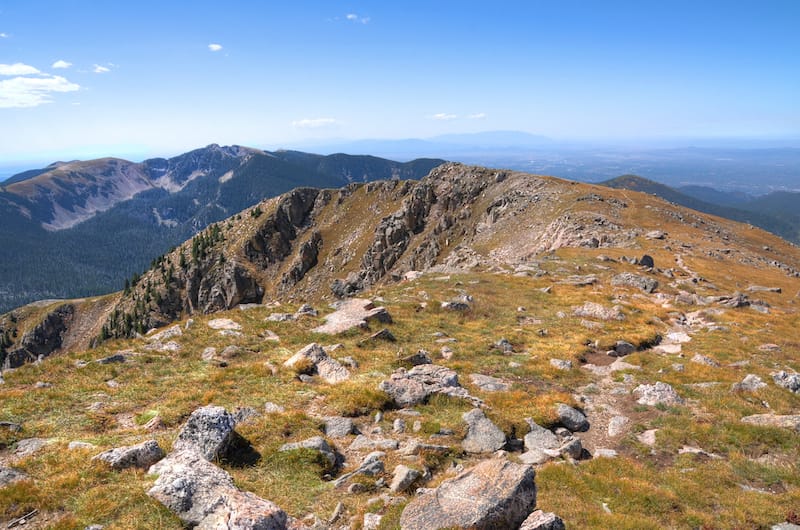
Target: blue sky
{"points": [[80, 79]]}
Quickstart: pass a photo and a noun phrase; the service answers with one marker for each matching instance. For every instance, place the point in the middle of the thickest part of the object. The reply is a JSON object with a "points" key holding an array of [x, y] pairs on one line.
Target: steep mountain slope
{"points": [[714, 196], [640, 356], [82, 227], [770, 220]]}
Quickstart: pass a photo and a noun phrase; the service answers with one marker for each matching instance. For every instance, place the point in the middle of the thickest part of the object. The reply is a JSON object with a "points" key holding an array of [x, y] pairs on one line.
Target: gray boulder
{"points": [[540, 438], [142, 456], [483, 436], [353, 313], [203, 495], [598, 311], [494, 494], [622, 348], [790, 421], [750, 383], [572, 418], [488, 383], [208, 431], [539, 520]]}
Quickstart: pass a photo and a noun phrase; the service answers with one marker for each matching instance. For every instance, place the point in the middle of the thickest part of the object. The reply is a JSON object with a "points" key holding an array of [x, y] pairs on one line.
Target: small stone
{"points": [[273, 408], [316, 443], [75, 445], [483, 436], [788, 381], [648, 437], [704, 360], [338, 426], [605, 453], [41, 384], [539, 520], [416, 359], [561, 364], [142, 456], [750, 383], [224, 323], [657, 394], [488, 383], [622, 348], [618, 425], [398, 426], [403, 478], [571, 418], [372, 521]]}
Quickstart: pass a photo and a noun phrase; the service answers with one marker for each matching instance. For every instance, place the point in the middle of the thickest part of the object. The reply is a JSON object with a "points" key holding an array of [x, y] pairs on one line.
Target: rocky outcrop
{"points": [[494, 494], [44, 339], [483, 436], [657, 394], [627, 279], [353, 313]]}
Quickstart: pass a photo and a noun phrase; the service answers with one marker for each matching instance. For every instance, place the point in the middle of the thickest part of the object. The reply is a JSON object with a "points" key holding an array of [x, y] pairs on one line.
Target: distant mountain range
{"points": [[776, 212], [80, 228]]}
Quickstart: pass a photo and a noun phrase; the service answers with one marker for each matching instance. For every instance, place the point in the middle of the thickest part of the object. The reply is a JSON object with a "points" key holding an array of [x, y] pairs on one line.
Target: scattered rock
{"points": [[456, 306], [371, 465], [416, 359], [773, 420], [579, 281], [622, 348], [314, 359], [539, 520], [316, 443], [169, 333], [273, 408], [353, 313], [280, 317], [372, 521], [203, 495], [29, 446], [561, 364], [787, 381], [362, 443], [605, 453], [224, 323], [76, 445], [306, 310], [208, 431], [539, 438], [571, 418], [142, 456], [704, 360], [762, 289], [627, 279], [657, 394], [618, 425], [597, 311], [403, 477], [488, 383], [655, 234], [494, 494], [115, 358], [407, 388], [750, 383], [229, 352], [483, 436], [383, 334], [504, 345], [648, 437], [9, 476], [338, 427]]}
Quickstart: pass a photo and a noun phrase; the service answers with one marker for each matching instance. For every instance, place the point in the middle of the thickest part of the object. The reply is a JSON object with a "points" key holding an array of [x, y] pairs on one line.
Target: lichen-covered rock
{"points": [[403, 477], [628, 279], [409, 387], [208, 431], [789, 421], [483, 436], [10, 475], [353, 313], [787, 381], [316, 443], [142, 455], [494, 494], [203, 495], [598, 311], [657, 394]]}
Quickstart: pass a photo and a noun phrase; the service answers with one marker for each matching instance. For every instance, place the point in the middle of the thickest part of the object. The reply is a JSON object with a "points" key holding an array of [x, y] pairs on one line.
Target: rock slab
{"points": [[483, 436], [494, 494], [208, 431], [353, 313], [142, 456]]}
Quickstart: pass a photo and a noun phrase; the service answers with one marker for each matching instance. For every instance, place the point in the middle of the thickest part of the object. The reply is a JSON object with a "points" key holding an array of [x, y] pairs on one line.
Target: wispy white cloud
{"points": [[477, 116], [443, 116], [352, 17], [61, 64], [214, 47], [18, 69], [314, 123], [3, 35], [98, 69], [22, 92]]}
